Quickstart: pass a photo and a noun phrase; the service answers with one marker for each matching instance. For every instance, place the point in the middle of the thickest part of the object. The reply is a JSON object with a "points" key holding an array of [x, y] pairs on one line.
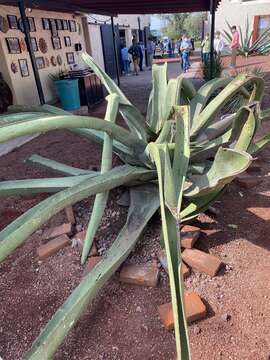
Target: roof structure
{"points": [[115, 7]]}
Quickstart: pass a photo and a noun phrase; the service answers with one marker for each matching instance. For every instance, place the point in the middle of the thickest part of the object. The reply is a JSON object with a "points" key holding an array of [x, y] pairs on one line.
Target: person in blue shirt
{"points": [[125, 59], [185, 48]]}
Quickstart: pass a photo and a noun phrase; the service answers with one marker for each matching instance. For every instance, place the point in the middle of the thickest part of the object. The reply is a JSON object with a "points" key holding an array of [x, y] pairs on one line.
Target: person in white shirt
{"points": [[218, 44]]}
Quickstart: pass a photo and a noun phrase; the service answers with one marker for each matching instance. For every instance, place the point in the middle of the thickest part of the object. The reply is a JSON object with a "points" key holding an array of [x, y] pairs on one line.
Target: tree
{"points": [[175, 28], [193, 25]]}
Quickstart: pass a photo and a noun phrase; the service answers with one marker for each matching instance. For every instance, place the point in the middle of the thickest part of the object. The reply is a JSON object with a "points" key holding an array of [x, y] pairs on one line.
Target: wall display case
{"points": [[72, 25], [13, 45], [40, 62], [70, 58], [53, 61], [23, 67], [31, 24], [45, 24], [12, 21], [53, 27], [14, 67], [67, 40], [65, 24], [59, 24], [56, 42], [34, 44]]}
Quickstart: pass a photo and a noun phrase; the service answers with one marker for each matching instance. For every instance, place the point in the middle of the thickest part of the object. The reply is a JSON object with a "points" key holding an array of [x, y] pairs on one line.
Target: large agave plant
{"points": [[247, 47], [182, 151]]}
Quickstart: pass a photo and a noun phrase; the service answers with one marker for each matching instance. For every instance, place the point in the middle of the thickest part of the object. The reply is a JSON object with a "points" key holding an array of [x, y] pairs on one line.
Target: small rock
{"points": [[52, 247], [189, 235], [79, 227], [144, 275], [70, 214], [226, 317], [138, 309], [196, 329], [56, 231], [39, 232], [202, 261]]}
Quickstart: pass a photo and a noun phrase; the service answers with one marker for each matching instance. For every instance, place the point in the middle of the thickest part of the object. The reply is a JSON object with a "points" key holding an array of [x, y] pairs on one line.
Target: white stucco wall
{"points": [[24, 88], [236, 12]]}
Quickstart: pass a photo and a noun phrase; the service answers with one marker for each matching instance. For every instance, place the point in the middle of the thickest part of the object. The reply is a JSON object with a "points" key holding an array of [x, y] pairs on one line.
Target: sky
{"points": [[156, 22]]}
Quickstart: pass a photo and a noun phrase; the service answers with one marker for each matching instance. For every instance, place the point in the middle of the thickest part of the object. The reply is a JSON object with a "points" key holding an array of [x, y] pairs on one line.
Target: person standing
{"points": [[125, 59], [234, 46], [134, 51], [185, 48], [150, 51], [218, 44], [205, 48]]}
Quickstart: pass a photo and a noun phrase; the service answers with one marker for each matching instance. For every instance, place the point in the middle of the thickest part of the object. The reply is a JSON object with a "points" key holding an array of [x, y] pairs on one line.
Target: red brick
{"points": [[189, 235], [163, 260], [262, 213], [70, 215], [246, 181], [80, 236], [56, 231], [202, 261], [52, 246], [194, 308], [145, 275], [91, 263]]}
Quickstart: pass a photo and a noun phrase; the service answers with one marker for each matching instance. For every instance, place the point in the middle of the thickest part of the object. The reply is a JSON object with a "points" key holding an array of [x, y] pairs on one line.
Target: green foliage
{"points": [[182, 149], [217, 68], [247, 47]]}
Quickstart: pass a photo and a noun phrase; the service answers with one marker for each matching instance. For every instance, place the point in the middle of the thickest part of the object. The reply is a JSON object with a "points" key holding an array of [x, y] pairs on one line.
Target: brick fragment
{"points": [[70, 214], [91, 263], [56, 231], [194, 307], [79, 237], [254, 168], [163, 260], [144, 275], [52, 246], [202, 261], [189, 235], [185, 270], [262, 213], [247, 182]]}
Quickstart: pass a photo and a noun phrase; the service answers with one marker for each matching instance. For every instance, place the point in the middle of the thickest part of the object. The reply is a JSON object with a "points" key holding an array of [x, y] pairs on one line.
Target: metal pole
{"points": [[115, 53], [213, 15], [31, 52]]}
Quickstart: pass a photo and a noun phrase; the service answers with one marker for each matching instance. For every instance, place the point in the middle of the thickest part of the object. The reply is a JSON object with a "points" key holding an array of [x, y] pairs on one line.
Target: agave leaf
{"points": [[248, 128], [264, 115], [227, 165], [171, 236], [188, 89], [106, 165], [58, 167], [259, 144], [144, 203], [173, 95], [217, 129], [19, 230]]}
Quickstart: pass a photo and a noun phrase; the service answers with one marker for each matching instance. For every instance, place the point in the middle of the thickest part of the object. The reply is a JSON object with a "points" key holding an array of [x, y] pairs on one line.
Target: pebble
{"points": [[138, 309], [39, 232], [79, 227], [226, 317], [196, 330]]}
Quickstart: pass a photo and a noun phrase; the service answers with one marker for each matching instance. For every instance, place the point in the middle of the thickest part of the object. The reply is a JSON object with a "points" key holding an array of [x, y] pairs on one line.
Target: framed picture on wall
{"points": [[40, 62], [67, 40], [70, 58], [53, 27], [45, 24], [64, 24], [72, 25], [23, 67], [34, 44], [12, 21], [59, 24], [13, 45], [56, 42], [31, 23]]}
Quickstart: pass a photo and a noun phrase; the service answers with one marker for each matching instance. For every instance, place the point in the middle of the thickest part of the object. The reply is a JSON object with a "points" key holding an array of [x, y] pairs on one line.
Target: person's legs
{"points": [[233, 57], [136, 66], [141, 63], [126, 64], [185, 61], [188, 62], [206, 57]]}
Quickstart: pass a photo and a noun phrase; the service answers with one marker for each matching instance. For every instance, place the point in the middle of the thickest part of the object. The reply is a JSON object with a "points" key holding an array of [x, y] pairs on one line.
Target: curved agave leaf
{"points": [[106, 165], [19, 230], [259, 144], [227, 165], [144, 203]]}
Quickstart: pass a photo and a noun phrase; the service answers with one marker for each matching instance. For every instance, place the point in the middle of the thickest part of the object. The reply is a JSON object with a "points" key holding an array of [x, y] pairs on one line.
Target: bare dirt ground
{"points": [[123, 321]]}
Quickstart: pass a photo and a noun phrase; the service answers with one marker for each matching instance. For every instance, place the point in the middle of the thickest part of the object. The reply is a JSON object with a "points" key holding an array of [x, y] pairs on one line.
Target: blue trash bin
{"points": [[68, 92]]}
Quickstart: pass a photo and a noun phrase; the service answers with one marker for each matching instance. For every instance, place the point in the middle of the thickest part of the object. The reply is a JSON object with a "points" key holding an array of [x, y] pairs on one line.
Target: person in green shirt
{"points": [[205, 48]]}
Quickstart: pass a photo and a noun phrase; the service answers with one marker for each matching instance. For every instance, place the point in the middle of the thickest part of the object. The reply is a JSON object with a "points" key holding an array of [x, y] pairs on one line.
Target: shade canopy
{"points": [[115, 7]]}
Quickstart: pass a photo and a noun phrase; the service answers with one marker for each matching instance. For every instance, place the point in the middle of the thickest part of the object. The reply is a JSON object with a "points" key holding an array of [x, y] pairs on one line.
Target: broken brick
{"points": [[189, 235], [163, 260], [145, 275], [262, 213], [56, 231], [91, 263], [70, 214], [246, 181], [79, 237], [194, 308], [52, 246], [202, 261]]}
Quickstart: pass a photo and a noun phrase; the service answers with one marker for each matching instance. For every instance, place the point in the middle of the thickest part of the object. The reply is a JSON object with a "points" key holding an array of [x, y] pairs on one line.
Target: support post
{"points": [[115, 53], [212, 37], [31, 52]]}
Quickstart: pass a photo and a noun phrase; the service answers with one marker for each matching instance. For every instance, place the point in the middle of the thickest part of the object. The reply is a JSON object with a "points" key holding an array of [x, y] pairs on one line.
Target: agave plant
{"points": [[179, 160], [247, 47]]}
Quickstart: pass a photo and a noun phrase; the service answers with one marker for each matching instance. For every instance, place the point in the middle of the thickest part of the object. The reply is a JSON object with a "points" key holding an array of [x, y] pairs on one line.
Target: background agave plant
{"points": [[247, 47], [178, 159]]}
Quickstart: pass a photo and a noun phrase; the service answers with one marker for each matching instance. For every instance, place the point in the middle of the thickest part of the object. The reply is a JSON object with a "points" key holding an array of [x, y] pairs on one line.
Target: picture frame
{"points": [[13, 45], [72, 25], [12, 21], [31, 24], [70, 58], [53, 27], [59, 24], [24, 67], [67, 41], [40, 62], [56, 42], [65, 24], [45, 24], [34, 44]]}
